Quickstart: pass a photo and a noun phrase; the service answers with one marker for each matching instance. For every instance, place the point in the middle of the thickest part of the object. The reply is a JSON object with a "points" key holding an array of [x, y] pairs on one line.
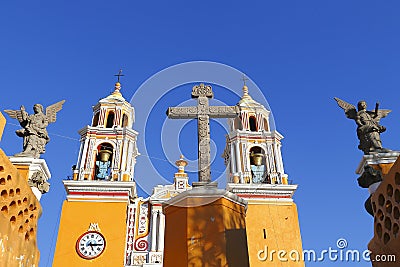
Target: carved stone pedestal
{"points": [[35, 171], [379, 161]]}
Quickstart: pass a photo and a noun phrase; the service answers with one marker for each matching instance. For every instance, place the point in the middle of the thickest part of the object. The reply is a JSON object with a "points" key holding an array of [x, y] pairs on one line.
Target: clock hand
{"points": [[91, 246]]}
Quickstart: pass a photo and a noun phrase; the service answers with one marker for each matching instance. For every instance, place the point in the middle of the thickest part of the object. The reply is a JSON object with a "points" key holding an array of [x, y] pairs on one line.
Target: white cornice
{"points": [[82, 189], [377, 158], [263, 190], [102, 130]]}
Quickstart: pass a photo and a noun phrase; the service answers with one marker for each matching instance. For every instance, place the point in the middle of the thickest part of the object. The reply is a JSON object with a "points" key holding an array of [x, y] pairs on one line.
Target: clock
{"points": [[90, 245]]}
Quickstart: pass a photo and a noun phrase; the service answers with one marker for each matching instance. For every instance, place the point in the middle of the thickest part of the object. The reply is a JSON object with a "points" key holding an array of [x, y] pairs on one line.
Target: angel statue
{"points": [[34, 126], [368, 128]]}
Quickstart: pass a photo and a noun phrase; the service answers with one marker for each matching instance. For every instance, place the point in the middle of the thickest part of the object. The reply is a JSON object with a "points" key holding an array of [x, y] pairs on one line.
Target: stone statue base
{"points": [[381, 161], [28, 167]]}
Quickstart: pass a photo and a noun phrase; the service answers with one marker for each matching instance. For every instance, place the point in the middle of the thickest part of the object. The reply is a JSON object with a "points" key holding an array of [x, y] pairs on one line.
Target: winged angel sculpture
{"points": [[34, 126], [368, 128]]}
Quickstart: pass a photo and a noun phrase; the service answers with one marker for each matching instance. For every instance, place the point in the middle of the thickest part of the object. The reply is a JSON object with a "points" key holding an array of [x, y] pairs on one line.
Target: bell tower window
{"points": [[238, 123], [124, 120], [103, 162], [110, 120], [257, 165], [266, 128], [252, 124], [96, 119]]}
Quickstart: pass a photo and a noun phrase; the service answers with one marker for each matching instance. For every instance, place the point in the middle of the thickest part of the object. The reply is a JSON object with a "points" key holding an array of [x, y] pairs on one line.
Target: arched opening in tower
{"points": [[266, 128], [110, 120], [96, 119], [124, 120], [253, 124], [103, 162], [257, 166], [238, 123]]}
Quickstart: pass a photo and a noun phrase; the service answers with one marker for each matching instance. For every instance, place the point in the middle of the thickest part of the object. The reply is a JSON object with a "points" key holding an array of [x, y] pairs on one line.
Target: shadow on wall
{"points": [[217, 237]]}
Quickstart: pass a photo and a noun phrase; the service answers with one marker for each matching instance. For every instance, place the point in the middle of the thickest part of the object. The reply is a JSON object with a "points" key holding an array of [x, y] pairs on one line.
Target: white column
{"points": [[270, 159], [124, 155], [129, 159], [232, 159], [238, 165], [276, 155], [280, 160], [161, 232], [84, 153], [153, 229], [79, 156]]}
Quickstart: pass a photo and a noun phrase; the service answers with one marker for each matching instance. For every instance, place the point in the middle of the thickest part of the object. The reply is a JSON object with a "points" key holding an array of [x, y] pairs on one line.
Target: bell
{"points": [[257, 158], [105, 155]]}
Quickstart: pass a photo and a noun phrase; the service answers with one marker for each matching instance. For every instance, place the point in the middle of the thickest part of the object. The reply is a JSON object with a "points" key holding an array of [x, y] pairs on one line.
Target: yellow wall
{"points": [[215, 235], [175, 240], [386, 207], [23, 171], [19, 214], [2, 124], [282, 232], [75, 220]]}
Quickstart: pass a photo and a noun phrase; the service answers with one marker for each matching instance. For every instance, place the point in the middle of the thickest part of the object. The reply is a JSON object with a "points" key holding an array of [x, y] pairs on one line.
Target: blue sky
{"points": [[299, 53]]}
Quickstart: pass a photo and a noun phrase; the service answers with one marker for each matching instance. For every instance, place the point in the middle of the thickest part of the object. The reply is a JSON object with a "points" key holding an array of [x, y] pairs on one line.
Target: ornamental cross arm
{"points": [[224, 111], [182, 112]]}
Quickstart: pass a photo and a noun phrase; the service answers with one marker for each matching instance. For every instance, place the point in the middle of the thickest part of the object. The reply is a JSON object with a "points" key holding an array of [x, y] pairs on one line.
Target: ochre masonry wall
{"points": [[76, 218], [386, 207], [271, 227], [210, 234], [19, 214]]}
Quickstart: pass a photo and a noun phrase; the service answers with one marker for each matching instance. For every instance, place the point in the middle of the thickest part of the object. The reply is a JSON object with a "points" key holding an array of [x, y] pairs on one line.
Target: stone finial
{"points": [[117, 88], [181, 163]]}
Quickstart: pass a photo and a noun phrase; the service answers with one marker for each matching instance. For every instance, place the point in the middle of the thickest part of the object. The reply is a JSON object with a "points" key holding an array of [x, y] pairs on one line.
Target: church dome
{"points": [[247, 101]]}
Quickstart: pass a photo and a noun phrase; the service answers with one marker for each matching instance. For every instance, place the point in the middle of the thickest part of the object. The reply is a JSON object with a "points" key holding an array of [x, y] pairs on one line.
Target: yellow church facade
{"points": [[105, 223]]}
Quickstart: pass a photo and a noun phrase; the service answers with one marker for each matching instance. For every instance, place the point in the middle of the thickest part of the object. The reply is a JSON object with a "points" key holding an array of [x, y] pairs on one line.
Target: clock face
{"points": [[90, 245]]}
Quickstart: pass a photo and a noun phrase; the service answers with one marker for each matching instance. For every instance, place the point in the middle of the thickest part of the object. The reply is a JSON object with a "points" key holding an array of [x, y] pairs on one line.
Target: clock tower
{"points": [[93, 220]]}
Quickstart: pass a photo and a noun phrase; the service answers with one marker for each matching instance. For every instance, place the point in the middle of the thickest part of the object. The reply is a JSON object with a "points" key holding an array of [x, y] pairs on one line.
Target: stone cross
{"points": [[203, 112]]}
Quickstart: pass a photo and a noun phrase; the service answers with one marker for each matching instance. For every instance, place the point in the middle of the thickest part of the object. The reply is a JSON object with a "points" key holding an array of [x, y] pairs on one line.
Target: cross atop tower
{"points": [[244, 79], [119, 74]]}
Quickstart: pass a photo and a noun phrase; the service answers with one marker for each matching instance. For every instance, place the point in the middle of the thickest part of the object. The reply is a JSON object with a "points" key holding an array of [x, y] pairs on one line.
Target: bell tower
{"points": [[93, 219], [253, 151], [108, 147], [255, 173]]}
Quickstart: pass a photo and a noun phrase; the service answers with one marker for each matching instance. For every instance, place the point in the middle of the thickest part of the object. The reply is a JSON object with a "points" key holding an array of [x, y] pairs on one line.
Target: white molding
{"points": [[77, 190], [34, 165], [264, 191], [377, 158]]}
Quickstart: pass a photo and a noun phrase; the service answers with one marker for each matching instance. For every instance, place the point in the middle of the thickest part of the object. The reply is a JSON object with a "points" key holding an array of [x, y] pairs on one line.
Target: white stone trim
{"points": [[377, 158]]}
